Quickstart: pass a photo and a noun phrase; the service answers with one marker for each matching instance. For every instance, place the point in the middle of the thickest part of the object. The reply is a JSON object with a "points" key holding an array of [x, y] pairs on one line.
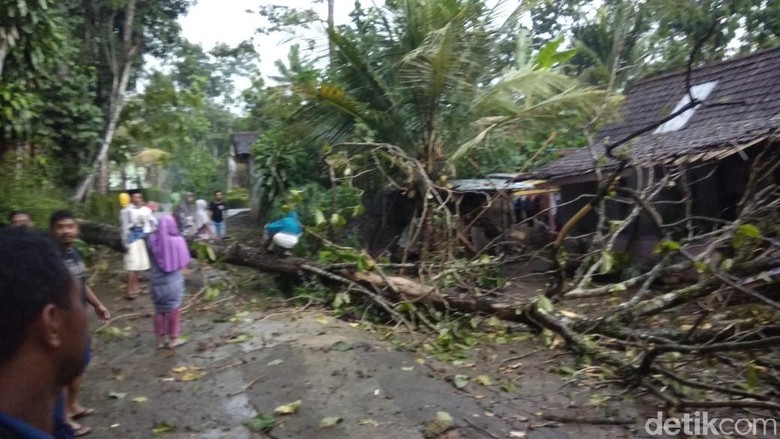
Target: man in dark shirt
{"points": [[65, 229], [218, 209], [44, 325], [20, 218]]}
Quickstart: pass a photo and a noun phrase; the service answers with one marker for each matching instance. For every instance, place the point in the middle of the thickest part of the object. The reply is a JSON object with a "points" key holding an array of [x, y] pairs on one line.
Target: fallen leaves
{"points": [[163, 428], [114, 332], [460, 381], [439, 425], [140, 400], [484, 380], [331, 421], [189, 373], [288, 409], [117, 395], [275, 362], [340, 346], [261, 423], [240, 338], [370, 422]]}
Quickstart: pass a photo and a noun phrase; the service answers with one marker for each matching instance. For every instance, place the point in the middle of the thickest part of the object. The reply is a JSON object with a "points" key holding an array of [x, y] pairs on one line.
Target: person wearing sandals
{"points": [[169, 256], [137, 222], [65, 230], [43, 319]]}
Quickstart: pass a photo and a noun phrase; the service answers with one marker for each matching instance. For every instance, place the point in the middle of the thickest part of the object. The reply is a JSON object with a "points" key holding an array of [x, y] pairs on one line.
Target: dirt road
{"points": [[240, 362]]}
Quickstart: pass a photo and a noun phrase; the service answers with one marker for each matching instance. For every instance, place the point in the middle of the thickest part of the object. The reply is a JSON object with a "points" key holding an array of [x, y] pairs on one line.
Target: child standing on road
{"points": [[169, 255]]}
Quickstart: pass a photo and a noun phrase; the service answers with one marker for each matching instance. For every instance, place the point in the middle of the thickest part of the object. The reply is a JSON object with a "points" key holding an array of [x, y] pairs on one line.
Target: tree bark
{"points": [[121, 69], [392, 287]]}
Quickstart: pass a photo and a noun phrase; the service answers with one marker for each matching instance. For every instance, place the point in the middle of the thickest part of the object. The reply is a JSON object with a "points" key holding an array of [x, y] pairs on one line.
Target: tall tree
{"points": [[120, 33]]}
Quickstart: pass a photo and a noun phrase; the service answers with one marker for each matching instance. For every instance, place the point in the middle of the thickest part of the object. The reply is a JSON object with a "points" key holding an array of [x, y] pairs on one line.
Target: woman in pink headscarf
{"points": [[169, 255]]}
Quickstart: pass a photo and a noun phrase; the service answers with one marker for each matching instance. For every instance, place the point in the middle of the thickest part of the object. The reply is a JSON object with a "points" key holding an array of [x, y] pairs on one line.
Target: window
{"points": [[700, 92]]}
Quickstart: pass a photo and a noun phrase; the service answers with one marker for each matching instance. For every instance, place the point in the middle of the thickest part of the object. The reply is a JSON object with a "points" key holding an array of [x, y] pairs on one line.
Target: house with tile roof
{"points": [[713, 144]]}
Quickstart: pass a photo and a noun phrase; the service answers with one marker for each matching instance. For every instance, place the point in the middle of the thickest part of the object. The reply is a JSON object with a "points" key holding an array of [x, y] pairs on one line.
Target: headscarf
{"points": [[168, 247], [124, 199], [201, 216]]}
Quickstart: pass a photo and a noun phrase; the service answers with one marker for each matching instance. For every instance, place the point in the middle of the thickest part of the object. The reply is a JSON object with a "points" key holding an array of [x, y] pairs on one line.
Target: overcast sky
{"points": [[227, 21], [210, 22]]}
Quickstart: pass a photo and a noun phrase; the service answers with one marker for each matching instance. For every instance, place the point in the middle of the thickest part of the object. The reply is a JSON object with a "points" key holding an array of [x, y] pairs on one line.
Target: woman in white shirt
{"points": [[138, 222]]}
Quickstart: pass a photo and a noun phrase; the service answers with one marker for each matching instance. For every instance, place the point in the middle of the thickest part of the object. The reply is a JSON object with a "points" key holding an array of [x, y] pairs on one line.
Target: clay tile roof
{"points": [[750, 83]]}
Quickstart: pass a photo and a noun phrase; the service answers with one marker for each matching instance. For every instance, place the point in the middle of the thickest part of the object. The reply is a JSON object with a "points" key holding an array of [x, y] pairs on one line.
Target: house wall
{"points": [[573, 197], [716, 188]]}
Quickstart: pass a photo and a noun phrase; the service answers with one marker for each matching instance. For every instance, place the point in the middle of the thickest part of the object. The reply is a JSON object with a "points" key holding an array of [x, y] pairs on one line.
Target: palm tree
{"points": [[422, 75]]}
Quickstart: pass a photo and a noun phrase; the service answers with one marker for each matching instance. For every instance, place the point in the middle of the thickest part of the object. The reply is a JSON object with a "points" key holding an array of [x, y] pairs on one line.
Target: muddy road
{"points": [[243, 360]]}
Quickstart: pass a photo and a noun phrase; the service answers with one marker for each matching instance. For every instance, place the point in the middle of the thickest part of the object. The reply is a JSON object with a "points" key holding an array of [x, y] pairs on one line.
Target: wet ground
{"points": [[242, 360]]}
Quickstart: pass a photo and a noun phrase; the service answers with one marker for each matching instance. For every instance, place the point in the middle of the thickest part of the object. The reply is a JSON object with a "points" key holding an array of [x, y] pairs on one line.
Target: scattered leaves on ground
{"points": [[331, 421], [484, 380], [407, 368], [288, 409], [140, 399], [261, 423], [440, 424], [117, 395], [370, 422], [340, 346], [460, 381], [240, 338], [163, 428], [275, 362]]}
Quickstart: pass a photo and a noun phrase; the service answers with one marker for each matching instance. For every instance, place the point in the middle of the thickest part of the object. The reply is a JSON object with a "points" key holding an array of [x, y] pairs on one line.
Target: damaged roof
{"points": [[750, 86], [242, 142]]}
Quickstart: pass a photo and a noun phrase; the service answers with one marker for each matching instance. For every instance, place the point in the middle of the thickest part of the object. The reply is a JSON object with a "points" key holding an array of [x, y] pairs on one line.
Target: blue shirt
{"points": [[11, 427], [290, 224]]}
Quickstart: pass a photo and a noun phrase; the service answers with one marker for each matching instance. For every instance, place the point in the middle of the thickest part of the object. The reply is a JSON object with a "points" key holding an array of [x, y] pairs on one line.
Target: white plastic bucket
{"points": [[285, 240]]}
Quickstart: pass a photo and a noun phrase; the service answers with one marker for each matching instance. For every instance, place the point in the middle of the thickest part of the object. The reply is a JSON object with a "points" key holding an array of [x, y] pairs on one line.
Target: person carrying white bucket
{"points": [[284, 232]]}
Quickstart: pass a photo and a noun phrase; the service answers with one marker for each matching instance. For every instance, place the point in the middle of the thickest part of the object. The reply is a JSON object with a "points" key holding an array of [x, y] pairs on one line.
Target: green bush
{"points": [[101, 208], [29, 191], [237, 198]]}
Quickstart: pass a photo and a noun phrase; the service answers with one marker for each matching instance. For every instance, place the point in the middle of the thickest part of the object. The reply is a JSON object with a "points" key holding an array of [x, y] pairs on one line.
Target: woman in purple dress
{"points": [[169, 255]]}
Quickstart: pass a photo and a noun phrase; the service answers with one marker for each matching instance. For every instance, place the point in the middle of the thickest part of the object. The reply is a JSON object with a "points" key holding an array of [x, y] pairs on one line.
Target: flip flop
{"points": [[82, 431], [83, 413]]}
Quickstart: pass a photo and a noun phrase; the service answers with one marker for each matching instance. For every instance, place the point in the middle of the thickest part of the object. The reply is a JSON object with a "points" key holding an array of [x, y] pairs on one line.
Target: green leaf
{"points": [[241, 338], [340, 346], [337, 220], [544, 304], [261, 423], [288, 409], [163, 428], [485, 380], [745, 234], [460, 381], [608, 262], [319, 217], [331, 421], [752, 377]]}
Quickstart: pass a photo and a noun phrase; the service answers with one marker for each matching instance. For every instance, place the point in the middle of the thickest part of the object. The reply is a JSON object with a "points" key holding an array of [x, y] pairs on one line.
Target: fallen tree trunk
{"points": [[236, 254], [391, 287]]}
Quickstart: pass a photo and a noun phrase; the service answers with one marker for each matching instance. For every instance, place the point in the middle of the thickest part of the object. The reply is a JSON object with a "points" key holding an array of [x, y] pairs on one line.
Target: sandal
{"points": [[82, 431], [83, 413]]}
